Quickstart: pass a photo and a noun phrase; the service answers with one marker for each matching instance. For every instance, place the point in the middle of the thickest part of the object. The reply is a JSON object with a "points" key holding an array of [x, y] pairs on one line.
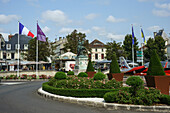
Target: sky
{"points": [[105, 20]]}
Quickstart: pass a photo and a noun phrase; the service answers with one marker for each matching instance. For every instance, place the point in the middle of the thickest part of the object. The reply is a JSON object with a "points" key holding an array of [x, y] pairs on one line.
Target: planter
{"points": [[116, 76], [91, 74], [159, 82]]}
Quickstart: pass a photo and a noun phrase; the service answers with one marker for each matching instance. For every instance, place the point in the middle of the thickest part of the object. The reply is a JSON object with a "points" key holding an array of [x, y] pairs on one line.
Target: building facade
{"points": [[98, 51]]}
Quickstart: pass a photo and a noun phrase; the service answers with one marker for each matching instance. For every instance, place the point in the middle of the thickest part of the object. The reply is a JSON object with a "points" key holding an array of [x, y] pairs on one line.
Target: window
{"points": [[12, 55], [8, 46], [96, 56], [102, 50], [102, 56], [4, 55], [96, 50], [25, 46], [16, 46]]}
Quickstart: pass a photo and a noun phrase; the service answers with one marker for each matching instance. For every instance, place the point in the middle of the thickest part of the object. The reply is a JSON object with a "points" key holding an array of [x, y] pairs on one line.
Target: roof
{"points": [[96, 44], [14, 40]]}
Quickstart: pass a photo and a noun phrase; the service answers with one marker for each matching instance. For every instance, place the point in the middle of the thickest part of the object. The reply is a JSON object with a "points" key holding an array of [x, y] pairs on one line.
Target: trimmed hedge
{"points": [[82, 74], [155, 68], [76, 92], [90, 67], [99, 76], [60, 75], [165, 99], [114, 66], [70, 73]]}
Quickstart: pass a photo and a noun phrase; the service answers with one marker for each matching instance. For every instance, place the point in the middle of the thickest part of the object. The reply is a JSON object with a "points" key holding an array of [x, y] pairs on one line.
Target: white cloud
{"points": [[56, 16], [5, 1], [46, 29], [113, 19], [69, 30], [154, 28], [5, 35], [115, 37], [163, 6], [161, 13], [91, 16], [6, 19]]}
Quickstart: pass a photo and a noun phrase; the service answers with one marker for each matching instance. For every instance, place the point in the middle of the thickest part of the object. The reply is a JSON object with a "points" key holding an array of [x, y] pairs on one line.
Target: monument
{"points": [[81, 59]]}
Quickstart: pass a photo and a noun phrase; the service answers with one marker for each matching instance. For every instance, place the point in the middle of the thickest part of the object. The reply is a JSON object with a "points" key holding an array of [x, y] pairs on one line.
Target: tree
{"points": [[127, 45], [90, 67], [72, 41], [44, 50], [158, 44], [114, 66], [114, 47]]}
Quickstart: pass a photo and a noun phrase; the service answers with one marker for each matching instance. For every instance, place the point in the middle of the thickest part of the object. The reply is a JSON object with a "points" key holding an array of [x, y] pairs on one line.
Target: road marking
{"points": [[11, 83]]}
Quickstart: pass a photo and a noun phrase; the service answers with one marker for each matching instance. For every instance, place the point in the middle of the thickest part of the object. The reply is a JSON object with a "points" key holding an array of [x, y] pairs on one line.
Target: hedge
{"points": [[76, 92]]}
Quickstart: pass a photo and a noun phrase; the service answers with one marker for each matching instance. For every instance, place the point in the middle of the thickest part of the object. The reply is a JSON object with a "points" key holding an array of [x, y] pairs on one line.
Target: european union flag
{"points": [[132, 36]]}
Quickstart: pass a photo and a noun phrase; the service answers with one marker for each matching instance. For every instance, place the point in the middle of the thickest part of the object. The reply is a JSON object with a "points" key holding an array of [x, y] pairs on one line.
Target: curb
{"points": [[100, 103]]}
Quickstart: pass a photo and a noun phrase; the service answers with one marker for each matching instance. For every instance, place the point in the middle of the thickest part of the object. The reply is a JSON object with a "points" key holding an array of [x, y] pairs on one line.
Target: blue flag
{"points": [[132, 36]]}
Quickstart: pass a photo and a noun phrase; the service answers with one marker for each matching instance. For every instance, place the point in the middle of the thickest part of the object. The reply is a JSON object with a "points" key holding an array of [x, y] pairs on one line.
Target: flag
{"points": [[24, 31], [143, 36], [40, 35], [132, 36]]}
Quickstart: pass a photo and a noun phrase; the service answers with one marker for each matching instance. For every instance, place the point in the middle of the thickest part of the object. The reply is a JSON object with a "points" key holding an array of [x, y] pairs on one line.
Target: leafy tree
{"points": [[72, 41], [114, 47], [127, 45], [44, 50], [158, 44]]}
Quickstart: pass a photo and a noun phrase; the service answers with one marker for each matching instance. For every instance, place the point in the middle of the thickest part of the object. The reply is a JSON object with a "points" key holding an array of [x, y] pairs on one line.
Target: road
{"points": [[23, 98]]}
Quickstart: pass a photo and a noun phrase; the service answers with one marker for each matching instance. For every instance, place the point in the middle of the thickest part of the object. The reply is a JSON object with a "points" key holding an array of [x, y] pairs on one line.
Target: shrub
{"points": [[33, 76], [99, 76], [51, 81], [76, 92], [113, 84], [70, 73], [136, 83], [60, 75], [90, 67], [165, 99], [82, 74], [44, 76], [114, 66], [120, 96], [155, 68], [24, 76]]}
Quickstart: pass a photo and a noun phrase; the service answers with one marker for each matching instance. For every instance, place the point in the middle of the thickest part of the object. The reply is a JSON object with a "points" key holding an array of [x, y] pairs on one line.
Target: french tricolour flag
{"points": [[24, 31]]}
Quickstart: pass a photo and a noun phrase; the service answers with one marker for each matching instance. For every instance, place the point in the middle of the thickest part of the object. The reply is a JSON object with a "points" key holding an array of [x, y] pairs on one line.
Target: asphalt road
{"points": [[23, 98]]}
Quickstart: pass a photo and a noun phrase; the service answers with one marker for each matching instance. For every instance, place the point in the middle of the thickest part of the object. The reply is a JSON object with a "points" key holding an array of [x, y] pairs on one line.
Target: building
{"points": [[167, 41], [98, 51]]}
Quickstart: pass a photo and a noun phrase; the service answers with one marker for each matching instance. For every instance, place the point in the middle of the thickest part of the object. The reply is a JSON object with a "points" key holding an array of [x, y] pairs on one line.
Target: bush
{"points": [[33, 76], [51, 81], [90, 67], [165, 99], [76, 92], [120, 96], [155, 68], [24, 76], [70, 73], [82, 74], [99, 76], [136, 83], [113, 84], [114, 66], [60, 75]]}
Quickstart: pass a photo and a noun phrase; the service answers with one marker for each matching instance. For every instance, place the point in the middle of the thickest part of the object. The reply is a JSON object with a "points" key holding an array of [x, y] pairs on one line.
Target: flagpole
{"points": [[132, 48], [18, 52], [37, 58]]}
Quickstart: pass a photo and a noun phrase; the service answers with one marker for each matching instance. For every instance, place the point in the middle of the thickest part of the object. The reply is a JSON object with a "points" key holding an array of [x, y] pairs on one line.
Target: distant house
{"points": [[9, 50], [98, 51], [167, 41]]}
